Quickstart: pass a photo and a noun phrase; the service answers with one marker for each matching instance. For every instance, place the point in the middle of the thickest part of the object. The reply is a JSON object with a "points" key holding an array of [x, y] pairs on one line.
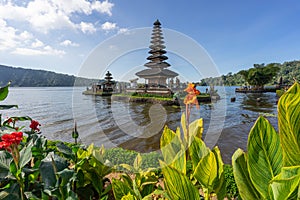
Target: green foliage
{"points": [[260, 74], [288, 71], [231, 187], [270, 168], [119, 156], [207, 169], [141, 185]]}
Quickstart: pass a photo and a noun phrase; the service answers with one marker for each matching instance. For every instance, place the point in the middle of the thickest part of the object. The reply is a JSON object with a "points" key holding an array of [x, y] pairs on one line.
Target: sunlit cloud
{"points": [[47, 50], [67, 43], [44, 16], [108, 26], [87, 27]]}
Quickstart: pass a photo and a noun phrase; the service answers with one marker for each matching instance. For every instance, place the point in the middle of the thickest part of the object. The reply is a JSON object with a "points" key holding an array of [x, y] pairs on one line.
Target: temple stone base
{"points": [[152, 91]]}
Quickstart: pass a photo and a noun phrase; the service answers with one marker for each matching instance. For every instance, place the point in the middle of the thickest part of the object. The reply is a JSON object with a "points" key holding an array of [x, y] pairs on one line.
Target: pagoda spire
{"points": [[157, 57], [157, 72]]}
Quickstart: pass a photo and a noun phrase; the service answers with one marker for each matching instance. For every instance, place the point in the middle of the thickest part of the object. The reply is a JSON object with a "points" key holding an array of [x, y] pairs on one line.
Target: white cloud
{"points": [[108, 26], [11, 37], [47, 50], [103, 7], [37, 43], [46, 15], [69, 43], [122, 30], [87, 27]]}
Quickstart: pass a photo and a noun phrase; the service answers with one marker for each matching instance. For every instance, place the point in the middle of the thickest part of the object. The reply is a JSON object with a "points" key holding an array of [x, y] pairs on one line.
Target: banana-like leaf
{"points": [[4, 92], [179, 162], [25, 155], [220, 184], [241, 176], [196, 128], [264, 155], [285, 185], [206, 171], [178, 185], [121, 189], [197, 151], [5, 160], [172, 149], [289, 126]]}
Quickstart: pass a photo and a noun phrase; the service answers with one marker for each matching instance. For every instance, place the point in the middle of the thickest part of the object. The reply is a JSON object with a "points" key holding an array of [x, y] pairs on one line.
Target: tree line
{"points": [[21, 77], [258, 75]]}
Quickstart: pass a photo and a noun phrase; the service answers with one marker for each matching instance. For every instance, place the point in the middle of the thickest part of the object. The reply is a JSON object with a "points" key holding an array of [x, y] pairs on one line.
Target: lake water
{"points": [[104, 121]]}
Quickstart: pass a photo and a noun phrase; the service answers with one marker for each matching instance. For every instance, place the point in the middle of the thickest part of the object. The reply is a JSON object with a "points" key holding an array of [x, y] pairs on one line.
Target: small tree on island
{"points": [[260, 74]]}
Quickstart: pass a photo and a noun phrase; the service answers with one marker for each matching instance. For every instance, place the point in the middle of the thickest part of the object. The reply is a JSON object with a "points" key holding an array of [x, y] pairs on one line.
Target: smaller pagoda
{"points": [[157, 74], [102, 87]]}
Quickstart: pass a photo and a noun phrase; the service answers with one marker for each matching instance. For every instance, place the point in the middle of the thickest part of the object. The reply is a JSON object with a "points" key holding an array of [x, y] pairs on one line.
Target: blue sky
{"points": [[59, 35]]}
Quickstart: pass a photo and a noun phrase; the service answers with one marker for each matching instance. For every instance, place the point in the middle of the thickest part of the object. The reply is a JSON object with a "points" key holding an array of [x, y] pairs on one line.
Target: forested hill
{"points": [[21, 77], [287, 70]]}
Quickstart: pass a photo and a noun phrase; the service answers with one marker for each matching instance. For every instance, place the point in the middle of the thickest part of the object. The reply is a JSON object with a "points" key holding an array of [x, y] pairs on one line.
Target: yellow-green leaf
{"points": [[178, 185], [264, 155], [171, 145], [241, 176], [184, 127], [137, 162], [207, 171], [289, 125], [286, 184], [197, 151], [196, 128], [220, 184]]}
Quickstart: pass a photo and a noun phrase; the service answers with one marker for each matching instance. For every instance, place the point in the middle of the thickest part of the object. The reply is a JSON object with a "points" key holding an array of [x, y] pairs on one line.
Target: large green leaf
{"points": [[220, 184], [172, 149], [25, 155], [197, 151], [48, 166], [241, 176], [196, 128], [289, 126], [285, 185], [4, 92], [206, 171], [5, 160], [120, 189], [178, 185], [264, 155], [11, 193], [184, 126]]}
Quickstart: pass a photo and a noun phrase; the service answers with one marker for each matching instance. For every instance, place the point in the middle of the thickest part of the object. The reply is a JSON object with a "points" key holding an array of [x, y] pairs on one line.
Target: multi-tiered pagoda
{"points": [[157, 74]]}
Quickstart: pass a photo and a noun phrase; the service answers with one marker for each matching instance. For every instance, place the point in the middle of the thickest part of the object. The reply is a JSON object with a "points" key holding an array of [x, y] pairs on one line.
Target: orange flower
{"points": [[191, 97]]}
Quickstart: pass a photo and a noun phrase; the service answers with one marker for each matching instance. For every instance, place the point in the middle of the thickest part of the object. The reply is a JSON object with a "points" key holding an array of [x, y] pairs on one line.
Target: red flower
{"points": [[34, 125], [10, 139], [4, 145], [10, 120]]}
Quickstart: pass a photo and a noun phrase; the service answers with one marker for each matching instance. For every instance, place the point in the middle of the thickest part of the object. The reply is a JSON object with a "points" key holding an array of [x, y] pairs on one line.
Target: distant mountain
{"points": [[21, 77], [288, 72]]}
